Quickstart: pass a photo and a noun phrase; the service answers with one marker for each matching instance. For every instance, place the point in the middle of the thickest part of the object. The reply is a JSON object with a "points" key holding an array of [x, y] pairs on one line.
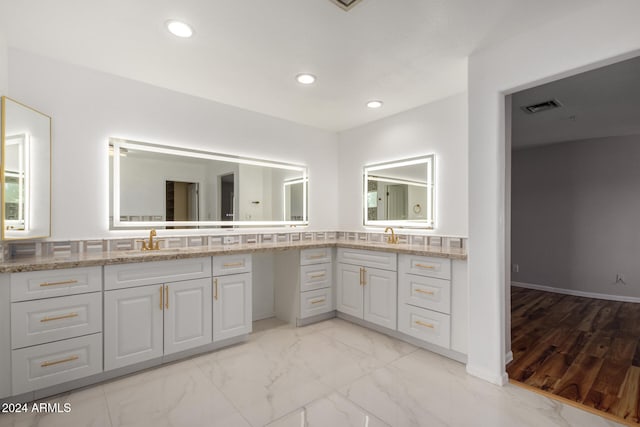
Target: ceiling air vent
{"points": [[542, 106], [346, 4]]}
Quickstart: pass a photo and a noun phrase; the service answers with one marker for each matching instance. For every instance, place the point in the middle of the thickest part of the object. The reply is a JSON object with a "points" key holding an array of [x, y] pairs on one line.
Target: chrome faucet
{"points": [[392, 238], [152, 245]]}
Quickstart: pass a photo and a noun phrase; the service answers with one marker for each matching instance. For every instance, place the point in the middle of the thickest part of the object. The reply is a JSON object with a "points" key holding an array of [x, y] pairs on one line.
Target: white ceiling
{"points": [[246, 53], [598, 103]]}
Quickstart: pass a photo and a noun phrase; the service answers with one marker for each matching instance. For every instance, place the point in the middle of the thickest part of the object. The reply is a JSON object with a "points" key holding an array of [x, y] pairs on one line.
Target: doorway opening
{"points": [[573, 192], [182, 202], [227, 198]]}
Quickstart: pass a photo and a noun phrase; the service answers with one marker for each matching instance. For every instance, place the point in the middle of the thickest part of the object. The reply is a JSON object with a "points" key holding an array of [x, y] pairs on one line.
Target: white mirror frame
{"points": [[429, 222], [118, 143]]}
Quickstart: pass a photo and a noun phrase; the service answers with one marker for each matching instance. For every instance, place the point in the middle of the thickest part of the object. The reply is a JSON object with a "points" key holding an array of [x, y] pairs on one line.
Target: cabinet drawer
{"points": [[426, 325], [425, 266], [55, 283], [315, 302], [315, 276], [315, 256], [425, 292], [55, 363], [231, 264], [375, 259], [149, 273], [42, 321]]}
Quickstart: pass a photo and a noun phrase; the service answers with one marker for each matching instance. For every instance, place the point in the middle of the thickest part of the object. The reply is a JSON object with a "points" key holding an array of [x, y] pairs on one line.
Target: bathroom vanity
{"points": [[79, 320]]}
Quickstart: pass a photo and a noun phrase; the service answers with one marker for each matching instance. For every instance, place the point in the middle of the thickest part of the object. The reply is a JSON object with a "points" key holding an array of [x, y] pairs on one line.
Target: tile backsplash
{"points": [[13, 250]]}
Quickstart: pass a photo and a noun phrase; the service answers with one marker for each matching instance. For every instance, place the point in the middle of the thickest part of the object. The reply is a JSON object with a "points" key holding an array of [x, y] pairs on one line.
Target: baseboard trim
{"points": [[493, 377], [508, 358], [574, 292]]}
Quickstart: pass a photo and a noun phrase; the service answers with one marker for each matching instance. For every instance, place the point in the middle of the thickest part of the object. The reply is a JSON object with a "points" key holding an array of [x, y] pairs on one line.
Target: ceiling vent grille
{"points": [[346, 4], [542, 106]]}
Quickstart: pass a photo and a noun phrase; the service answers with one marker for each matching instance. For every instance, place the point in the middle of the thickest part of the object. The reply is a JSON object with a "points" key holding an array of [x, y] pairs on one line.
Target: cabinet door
{"points": [[187, 315], [349, 290], [231, 306], [380, 297], [132, 325]]}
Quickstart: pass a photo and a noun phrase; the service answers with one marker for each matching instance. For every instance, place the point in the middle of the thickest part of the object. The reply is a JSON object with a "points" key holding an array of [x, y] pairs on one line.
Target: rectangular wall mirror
{"points": [[400, 193], [174, 188], [25, 172]]}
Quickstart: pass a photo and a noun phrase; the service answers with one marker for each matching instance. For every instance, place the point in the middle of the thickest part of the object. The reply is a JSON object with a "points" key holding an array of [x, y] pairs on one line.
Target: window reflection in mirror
{"points": [[400, 193], [159, 186], [16, 181]]}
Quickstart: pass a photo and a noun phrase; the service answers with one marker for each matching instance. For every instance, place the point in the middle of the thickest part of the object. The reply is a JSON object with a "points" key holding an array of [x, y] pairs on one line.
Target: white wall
{"points": [[592, 36], [439, 128], [4, 66], [582, 197], [88, 107]]}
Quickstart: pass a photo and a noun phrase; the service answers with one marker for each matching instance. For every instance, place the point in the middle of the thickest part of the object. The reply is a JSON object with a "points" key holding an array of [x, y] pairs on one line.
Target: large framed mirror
{"points": [[25, 172], [400, 193], [158, 186]]}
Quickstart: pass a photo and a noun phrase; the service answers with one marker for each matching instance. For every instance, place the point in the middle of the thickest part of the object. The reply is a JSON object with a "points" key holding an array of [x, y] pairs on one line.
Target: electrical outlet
{"points": [[515, 268], [620, 279]]}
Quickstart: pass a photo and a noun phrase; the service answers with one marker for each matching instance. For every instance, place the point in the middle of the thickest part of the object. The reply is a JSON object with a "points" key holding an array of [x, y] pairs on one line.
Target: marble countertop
{"points": [[130, 256]]}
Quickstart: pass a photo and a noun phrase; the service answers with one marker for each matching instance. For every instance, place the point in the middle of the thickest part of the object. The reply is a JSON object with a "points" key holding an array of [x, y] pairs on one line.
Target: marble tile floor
{"points": [[331, 374]]}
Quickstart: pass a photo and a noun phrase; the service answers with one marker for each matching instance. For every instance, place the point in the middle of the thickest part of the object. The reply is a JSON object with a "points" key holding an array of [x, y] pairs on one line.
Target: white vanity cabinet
{"points": [[232, 296], [424, 293], [56, 327], [316, 282], [144, 320], [304, 290], [366, 286]]}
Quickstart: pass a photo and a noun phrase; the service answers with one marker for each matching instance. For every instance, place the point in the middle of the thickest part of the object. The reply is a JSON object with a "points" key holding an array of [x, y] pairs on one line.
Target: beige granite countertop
{"points": [[130, 256]]}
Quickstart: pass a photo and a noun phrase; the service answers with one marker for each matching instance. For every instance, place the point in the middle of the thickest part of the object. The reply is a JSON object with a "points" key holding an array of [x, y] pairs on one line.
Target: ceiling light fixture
{"points": [[305, 78], [374, 104], [179, 29]]}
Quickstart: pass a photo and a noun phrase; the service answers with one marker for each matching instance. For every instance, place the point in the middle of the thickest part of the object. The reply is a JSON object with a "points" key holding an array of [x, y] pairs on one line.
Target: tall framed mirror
{"points": [[25, 172], [400, 193], [158, 186]]}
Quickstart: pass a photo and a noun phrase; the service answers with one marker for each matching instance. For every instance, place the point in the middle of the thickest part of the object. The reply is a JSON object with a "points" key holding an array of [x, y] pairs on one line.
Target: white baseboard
{"points": [[575, 293], [508, 358], [493, 377]]}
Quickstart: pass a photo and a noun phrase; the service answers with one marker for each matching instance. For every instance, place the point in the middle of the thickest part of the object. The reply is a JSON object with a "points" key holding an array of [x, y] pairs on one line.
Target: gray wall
{"points": [[576, 215]]}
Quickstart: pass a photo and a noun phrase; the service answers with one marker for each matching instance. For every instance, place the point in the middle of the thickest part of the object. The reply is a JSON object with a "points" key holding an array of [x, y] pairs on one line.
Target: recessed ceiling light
{"points": [[179, 29], [374, 104], [305, 78]]}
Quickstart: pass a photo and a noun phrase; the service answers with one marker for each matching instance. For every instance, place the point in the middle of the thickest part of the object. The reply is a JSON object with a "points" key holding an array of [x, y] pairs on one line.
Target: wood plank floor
{"points": [[582, 349]]}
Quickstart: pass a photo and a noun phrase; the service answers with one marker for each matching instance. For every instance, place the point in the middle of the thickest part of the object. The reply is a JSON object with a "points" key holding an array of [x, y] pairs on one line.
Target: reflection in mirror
{"points": [[159, 186], [400, 193], [294, 199], [16, 182], [26, 172]]}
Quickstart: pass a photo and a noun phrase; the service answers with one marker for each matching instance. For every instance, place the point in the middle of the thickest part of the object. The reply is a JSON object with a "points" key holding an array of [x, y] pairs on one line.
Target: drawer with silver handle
{"points": [[231, 264], [54, 363], [47, 320], [315, 276], [316, 302], [426, 325], [55, 283], [315, 256], [425, 266], [425, 292]]}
